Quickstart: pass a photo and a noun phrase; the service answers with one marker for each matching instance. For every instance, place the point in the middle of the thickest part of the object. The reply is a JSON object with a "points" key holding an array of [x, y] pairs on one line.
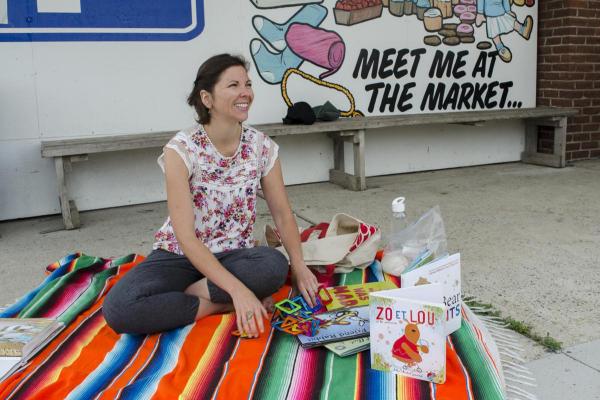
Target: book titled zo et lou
{"points": [[408, 332]]}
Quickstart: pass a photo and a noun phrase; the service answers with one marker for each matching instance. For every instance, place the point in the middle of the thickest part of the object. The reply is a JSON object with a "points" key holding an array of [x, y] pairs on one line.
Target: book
{"points": [[408, 332], [347, 296], [335, 326], [349, 347], [22, 338], [446, 271]]}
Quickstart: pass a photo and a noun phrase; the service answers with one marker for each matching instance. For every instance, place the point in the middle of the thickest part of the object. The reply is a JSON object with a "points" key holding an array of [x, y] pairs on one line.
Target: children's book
{"points": [[347, 296], [335, 326], [349, 347], [23, 338], [445, 271], [408, 332]]}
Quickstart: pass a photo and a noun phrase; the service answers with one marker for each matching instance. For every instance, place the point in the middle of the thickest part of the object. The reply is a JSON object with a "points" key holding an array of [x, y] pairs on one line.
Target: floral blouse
{"points": [[223, 188]]}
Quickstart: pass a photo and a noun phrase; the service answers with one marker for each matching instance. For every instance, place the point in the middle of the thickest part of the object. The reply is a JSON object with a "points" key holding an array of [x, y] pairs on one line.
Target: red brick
{"points": [[584, 67], [573, 146], [563, 85], [591, 128], [570, 94], [574, 128], [580, 119], [584, 85], [582, 103], [584, 31], [561, 103], [563, 31], [595, 136], [592, 94], [574, 40], [593, 76], [587, 12], [576, 3], [581, 137], [580, 155], [589, 145], [595, 154]]}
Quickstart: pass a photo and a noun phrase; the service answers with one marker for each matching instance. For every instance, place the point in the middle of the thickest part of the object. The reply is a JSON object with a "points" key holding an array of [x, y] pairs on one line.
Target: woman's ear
{"points": [[206, 99]]}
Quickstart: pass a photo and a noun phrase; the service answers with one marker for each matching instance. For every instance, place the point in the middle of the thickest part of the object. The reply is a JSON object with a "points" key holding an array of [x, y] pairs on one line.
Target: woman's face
{"points": [[232, 95]]}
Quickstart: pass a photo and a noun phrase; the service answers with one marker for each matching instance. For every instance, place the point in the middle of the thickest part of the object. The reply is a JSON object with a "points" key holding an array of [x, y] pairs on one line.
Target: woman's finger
{"points": [[260, 314], [307, 297]]}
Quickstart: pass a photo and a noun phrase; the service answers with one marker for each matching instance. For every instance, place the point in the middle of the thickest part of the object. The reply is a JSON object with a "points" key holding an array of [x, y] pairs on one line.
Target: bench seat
{"points": [[66, 151]]}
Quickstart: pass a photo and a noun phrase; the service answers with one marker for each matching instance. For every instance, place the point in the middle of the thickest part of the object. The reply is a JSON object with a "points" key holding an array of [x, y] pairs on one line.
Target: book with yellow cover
{"points": [[350, 296]]}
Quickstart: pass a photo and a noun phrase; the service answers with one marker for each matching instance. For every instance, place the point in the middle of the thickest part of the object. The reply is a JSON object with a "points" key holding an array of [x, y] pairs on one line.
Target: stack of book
{"points": [[23, 338], [344, 327]]}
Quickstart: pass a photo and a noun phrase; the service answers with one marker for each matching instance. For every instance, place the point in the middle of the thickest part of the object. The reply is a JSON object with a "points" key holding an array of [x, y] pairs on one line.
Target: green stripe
{"points": [[484, 379], [340, 372], [276, 375]]}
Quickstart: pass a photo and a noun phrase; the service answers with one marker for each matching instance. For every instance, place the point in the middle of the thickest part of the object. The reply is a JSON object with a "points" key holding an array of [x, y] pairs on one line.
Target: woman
{"points": [[203, 261]]}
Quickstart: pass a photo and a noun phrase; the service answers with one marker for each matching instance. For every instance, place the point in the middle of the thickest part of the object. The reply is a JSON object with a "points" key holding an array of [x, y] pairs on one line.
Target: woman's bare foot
{"points": [[269, 304]]}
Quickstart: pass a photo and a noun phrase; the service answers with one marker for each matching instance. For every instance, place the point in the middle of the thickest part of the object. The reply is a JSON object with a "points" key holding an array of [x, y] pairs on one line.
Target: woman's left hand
{"points": [[306, 282]]}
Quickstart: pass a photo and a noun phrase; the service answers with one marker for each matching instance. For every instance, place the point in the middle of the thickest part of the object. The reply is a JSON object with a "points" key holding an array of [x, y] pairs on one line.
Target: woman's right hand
{"points": [[249, 312]]}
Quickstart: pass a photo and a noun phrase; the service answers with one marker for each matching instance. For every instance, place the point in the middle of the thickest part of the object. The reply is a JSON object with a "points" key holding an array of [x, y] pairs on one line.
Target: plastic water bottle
{"points": [[394, 261], [398, 216]]}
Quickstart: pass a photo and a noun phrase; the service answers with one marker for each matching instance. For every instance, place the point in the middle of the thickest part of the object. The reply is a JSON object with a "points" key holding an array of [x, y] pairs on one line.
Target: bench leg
{"points": [[558, 157], [338, 175], [68, 209]]}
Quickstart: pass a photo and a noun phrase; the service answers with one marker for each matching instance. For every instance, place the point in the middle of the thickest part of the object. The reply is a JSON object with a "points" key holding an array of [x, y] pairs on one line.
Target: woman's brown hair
{"points": [[208, 75]]}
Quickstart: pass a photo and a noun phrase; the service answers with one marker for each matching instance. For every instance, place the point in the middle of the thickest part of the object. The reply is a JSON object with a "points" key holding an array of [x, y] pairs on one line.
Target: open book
{"points": [[445, 271], [343, 324], [408, 332], [23, 338]]}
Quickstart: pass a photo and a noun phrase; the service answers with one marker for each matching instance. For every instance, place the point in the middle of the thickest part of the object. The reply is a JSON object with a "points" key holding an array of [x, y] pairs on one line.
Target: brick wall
{"points": [[569, 71]]}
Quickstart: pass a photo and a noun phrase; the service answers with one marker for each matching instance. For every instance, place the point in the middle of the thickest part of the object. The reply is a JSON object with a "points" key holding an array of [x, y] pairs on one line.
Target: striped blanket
{"points": [[88, 360]]}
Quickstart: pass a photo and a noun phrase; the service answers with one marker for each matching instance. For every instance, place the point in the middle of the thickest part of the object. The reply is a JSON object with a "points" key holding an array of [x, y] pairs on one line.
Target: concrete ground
{"points": [[529, 239]]}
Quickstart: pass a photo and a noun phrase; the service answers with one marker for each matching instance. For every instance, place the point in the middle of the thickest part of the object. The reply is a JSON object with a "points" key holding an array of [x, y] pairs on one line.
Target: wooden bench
{"points": [[67, 151]]}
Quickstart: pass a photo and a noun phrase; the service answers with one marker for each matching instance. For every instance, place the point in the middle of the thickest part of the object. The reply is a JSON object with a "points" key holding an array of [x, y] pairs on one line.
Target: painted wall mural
{"points": [[424, 56], [106, 20]]}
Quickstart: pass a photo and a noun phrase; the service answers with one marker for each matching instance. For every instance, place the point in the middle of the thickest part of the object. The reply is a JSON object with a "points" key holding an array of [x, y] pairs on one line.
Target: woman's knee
{"points": [[116, 308], [272, 268]]}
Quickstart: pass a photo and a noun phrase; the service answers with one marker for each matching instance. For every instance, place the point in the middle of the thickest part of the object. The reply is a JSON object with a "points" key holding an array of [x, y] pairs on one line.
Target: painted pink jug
{"points": [[319, 46]]}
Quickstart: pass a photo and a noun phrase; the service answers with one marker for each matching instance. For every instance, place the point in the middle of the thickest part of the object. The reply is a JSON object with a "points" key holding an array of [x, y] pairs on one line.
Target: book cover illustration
{"points": [[16, 333], [339, 325], [346, 296], [408, 332], [349, 347], [445, 271]]}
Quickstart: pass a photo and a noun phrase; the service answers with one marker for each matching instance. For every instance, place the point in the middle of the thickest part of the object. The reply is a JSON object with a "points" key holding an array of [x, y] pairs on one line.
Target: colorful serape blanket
{"points": [[88, 360]]}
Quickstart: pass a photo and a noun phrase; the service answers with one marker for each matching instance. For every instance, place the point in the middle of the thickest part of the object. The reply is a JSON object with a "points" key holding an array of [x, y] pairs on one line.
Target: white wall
{"points": [[69, 89]]}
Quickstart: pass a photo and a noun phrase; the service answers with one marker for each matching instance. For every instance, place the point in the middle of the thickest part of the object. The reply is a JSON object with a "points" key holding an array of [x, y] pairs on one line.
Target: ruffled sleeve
{"points": [[180, 143], [269, 154]]}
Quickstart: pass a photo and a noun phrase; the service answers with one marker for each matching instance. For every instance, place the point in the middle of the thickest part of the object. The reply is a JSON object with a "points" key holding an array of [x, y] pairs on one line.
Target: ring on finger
{"points": [[249, 315]]}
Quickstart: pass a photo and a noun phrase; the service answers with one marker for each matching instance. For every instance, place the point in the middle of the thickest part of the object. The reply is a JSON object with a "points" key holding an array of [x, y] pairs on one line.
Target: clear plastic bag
{"points": [[427, 233]]}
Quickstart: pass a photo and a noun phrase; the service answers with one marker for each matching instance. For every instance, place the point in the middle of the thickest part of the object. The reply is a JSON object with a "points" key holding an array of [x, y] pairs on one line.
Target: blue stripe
{"points": [[20, 304], [162, 363], [112, 365]]}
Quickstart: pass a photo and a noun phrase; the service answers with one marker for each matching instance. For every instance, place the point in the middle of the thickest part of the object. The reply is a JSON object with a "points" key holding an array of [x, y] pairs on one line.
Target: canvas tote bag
{"points": [[345, 242]]}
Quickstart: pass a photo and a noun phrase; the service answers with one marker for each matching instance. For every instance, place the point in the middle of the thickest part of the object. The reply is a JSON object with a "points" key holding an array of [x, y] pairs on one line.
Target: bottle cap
{"points": [[398, 205]]}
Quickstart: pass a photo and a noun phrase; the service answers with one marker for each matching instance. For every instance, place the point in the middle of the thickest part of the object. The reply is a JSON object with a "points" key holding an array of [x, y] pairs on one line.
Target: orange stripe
{"points": [[91, 355], [239, 377], [202, 344], [20, 378], [454, 387]]}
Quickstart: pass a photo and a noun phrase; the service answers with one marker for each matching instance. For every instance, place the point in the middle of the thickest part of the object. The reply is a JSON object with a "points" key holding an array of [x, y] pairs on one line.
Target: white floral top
{"points": [[223, 188]]}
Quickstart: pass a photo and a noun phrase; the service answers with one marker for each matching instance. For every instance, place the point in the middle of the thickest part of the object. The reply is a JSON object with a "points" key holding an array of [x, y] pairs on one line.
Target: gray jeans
{"points": [[150, 297]]}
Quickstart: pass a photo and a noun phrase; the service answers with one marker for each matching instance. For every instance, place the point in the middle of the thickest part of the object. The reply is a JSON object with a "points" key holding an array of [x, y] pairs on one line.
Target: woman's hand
{"points": [[306, 283], [249, 312]]}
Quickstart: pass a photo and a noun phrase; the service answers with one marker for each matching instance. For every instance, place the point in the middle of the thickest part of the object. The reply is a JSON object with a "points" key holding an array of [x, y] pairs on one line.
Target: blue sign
{"points": [[100, 20]]}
